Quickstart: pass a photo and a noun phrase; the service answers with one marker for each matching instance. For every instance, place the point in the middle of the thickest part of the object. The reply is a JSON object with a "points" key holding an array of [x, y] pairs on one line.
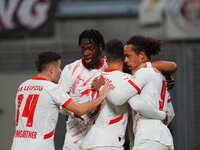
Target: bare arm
{"points": [[86, 107], [166, 67]]}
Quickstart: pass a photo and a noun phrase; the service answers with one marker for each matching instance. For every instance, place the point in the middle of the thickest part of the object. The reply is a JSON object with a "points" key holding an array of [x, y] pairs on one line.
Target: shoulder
{"points": [[73, 64], [43, 84], [147, 70], [49, 86], [117, 76], [148, 73], [144, 73], [24, 83]]}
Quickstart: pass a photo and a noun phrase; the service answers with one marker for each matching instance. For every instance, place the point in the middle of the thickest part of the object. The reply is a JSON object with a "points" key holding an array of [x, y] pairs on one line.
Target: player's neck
{"points": [[116, 65], [44, 75]]}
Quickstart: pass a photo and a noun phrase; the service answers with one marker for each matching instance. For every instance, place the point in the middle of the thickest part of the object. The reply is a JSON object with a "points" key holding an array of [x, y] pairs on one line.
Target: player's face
{"points": [[132, 59], [56, 71], [90, 52]]}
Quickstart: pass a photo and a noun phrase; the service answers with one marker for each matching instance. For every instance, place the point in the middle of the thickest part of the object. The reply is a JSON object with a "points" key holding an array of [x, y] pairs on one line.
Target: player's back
{"points": [[110, 125], [154, 92], [36, 115]]}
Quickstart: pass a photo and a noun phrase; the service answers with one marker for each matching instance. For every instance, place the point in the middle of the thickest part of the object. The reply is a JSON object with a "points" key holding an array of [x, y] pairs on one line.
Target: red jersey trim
{"points": [[75, 142], [103, 62], [67, 102], [135, 86], [110, 70], [48, 135], [38, 78], [116, 119], [169, 100]]}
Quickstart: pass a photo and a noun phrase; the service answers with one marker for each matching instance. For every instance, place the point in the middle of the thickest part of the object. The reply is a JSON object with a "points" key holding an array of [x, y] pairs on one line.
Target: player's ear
{"points": [[50, 68], [100, 48], [105, 57], [142, 56]]}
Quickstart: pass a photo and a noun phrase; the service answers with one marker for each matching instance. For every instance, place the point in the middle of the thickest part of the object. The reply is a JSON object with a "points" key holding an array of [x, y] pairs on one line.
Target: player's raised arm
{"points": [[166, 67]]}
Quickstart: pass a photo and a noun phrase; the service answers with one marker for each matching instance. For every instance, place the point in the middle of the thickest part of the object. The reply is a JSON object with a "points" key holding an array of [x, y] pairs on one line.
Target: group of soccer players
{"points": [[99, 98]]}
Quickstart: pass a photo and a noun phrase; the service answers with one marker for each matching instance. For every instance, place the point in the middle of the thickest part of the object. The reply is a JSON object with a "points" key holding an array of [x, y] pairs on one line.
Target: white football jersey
{"points": [[110, 125], [154, 92], [37, 103], [114, 109], [76, 79]]}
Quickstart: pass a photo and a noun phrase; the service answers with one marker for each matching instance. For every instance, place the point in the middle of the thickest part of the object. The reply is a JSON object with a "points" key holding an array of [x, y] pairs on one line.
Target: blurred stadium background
{"points": [[31, 26]]}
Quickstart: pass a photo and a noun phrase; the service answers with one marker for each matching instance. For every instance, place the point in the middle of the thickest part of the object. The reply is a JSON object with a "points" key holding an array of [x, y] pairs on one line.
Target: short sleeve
{"points": [[60, 97], [141, 78], [66, 78]]}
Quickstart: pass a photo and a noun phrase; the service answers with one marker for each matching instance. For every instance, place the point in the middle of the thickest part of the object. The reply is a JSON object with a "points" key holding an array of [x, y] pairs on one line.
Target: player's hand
{"points": [[166, 118], [79, 117], [97, 83], [71, 113], [170, 82], [92, 113], [106, 88]]}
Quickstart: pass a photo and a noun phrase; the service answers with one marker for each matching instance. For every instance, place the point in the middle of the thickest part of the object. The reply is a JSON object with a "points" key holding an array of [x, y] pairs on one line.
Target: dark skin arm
{"points": [[166, 67], [97, 83], [84, 108]]}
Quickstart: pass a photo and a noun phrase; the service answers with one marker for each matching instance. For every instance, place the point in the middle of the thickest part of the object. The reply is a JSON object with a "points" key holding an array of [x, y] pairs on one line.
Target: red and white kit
{"points": [[76, 80], [37, 103], [151, 131], [109, 129], [108, 132], [151, 82]]}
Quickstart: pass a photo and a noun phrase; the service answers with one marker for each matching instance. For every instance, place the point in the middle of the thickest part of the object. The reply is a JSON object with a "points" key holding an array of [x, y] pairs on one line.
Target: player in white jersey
{"points": [[37, 104], [76, 79], [109, 129], [150, 134]]}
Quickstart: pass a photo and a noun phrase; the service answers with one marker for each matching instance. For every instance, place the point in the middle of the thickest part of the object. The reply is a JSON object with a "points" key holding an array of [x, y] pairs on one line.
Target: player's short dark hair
{"points": [[94, 35], [114, 50], [46, 58], [148, 45]]}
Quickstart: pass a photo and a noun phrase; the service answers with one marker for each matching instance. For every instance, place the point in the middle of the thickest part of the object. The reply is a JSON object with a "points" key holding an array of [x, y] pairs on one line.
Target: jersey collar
{"points": [[111, 70], [38, 78]]}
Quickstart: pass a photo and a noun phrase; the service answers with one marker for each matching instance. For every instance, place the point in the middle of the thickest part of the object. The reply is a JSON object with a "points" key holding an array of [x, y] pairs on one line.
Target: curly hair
{"points": [[148, 45], [93, 35]]}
